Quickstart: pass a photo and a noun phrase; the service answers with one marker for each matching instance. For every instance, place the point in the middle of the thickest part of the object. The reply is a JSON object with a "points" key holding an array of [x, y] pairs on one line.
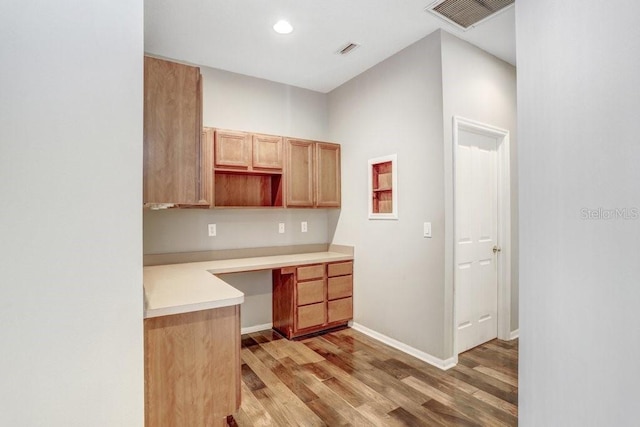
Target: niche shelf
{"points": [[383, 188]]}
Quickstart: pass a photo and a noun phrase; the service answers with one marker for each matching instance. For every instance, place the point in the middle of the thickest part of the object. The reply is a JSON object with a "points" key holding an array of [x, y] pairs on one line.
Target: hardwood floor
{"points": [[346, 378]]}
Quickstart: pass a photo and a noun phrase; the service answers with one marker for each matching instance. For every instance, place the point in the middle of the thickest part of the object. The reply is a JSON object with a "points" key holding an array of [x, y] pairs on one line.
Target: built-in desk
{"points": [[192, 334]]}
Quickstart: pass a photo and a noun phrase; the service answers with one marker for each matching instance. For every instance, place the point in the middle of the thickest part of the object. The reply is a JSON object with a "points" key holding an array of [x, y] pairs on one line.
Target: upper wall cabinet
{"points": [[174, 152], [312, 174], [300, 173], [247, 170], [327, 175], [243, 151], [267, 152]]}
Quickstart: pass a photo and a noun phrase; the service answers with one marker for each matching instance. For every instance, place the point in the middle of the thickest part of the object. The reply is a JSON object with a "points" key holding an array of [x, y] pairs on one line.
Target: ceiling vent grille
{"points": [[468, 13], [348, 48]]}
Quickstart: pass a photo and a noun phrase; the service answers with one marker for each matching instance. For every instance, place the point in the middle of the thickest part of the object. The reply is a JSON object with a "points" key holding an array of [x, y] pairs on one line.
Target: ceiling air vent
{"points": [[348, 48], [467, 13]]}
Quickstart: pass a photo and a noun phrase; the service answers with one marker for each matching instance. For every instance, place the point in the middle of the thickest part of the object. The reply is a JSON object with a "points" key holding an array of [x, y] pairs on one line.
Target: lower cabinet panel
{"points": [[340, 309], [310, 315], [310, 292], [192, 368], [340, 287]]}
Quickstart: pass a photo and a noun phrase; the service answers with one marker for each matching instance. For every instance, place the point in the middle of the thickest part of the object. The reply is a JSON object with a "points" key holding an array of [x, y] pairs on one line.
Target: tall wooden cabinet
{"points": [[312, 174], [174, 153], [312, 298]]}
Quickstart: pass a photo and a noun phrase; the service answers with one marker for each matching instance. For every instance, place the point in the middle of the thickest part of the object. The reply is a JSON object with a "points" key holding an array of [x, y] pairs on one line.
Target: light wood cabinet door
{"points": [[233, 150], [340, 310], [340, 268], [192, 367], [310, 292], [311, 315], [267, 152], [300, 173], [309, 272], [339, 287], [327, 175], [172, 131]]}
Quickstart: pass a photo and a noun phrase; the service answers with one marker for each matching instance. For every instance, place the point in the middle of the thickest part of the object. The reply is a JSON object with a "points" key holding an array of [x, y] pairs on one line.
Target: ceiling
{"points": [[237, 36]]}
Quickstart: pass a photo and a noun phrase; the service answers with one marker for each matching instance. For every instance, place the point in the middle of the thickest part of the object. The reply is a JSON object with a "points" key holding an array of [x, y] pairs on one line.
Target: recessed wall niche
{"points": [[383, 187]]}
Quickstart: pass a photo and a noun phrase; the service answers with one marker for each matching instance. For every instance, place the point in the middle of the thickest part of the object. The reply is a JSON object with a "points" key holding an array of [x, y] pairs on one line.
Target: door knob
{"points": [[496, 249]]}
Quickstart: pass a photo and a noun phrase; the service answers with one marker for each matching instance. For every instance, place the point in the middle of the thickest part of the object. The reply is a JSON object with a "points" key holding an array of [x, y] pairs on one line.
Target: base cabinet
{"points": [[192, 368], [312, 298]]}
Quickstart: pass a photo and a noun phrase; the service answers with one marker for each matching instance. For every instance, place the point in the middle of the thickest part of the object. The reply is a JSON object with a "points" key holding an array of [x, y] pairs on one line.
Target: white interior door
{"points": [[476, 225]]}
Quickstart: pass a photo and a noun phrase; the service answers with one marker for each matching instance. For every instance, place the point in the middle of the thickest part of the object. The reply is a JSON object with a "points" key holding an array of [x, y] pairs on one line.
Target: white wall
{"points": [[234, 101], [405, 105], [480, 87], [396, 107], [578, 104], [70, 224]]}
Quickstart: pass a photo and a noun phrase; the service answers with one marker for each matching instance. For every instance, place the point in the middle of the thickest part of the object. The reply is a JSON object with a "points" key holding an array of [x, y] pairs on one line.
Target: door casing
{"points": [[503, 229]]}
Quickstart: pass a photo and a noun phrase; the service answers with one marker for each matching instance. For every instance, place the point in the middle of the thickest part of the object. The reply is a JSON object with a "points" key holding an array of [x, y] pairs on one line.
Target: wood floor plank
{"points": [[397, 392], [345, 378], [479, 359], [330, 398], [489, 357], [295, 384], [407, 418], [251, 413], [486, 383], [378, 417], [496, 402], [497, 375], [434, 376], [374, 398], [449, 415], [482, 412], [506, 352], [276, 396]]}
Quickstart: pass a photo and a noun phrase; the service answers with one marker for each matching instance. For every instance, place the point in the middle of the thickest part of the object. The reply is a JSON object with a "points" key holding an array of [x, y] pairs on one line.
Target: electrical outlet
{"points": [[281, 227], [303, 226], [212, 230]]}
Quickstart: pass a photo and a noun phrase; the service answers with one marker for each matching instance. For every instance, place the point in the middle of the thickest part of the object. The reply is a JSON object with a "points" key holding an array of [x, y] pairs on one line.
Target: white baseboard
{"points": [[425, 357], [514, 334], [256, 328]]}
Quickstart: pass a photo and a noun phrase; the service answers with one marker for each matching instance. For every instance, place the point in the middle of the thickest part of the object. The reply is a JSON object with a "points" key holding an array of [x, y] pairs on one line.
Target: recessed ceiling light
{"points": [[282, 27]]}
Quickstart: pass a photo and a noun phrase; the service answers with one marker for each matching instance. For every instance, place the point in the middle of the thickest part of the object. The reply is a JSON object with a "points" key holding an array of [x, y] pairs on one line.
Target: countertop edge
{"points": [[181, 309], [186, 271]]}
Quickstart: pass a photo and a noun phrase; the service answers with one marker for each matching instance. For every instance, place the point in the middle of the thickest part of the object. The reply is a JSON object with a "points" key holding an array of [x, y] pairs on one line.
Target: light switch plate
{"points": [[212, 230], [303, 226], [281, 227], [427, 229]]}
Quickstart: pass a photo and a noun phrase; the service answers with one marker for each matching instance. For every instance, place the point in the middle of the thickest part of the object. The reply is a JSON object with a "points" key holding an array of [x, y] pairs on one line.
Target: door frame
{"points": [[503, 237]]}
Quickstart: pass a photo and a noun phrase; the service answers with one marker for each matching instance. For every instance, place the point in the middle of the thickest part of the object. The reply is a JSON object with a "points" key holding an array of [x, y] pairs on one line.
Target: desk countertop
{"points": [[182, 288]]}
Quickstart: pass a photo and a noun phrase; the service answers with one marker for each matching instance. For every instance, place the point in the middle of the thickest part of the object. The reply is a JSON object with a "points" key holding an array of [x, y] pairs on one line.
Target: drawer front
{"points": [[340, 310], [311, 272], [340, 287], [340, 269], [310, 292], [310, 315]]}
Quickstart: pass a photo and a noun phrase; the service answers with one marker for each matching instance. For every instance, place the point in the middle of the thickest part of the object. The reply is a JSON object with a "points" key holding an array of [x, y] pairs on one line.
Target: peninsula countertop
{"points": [[187, 287]]}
